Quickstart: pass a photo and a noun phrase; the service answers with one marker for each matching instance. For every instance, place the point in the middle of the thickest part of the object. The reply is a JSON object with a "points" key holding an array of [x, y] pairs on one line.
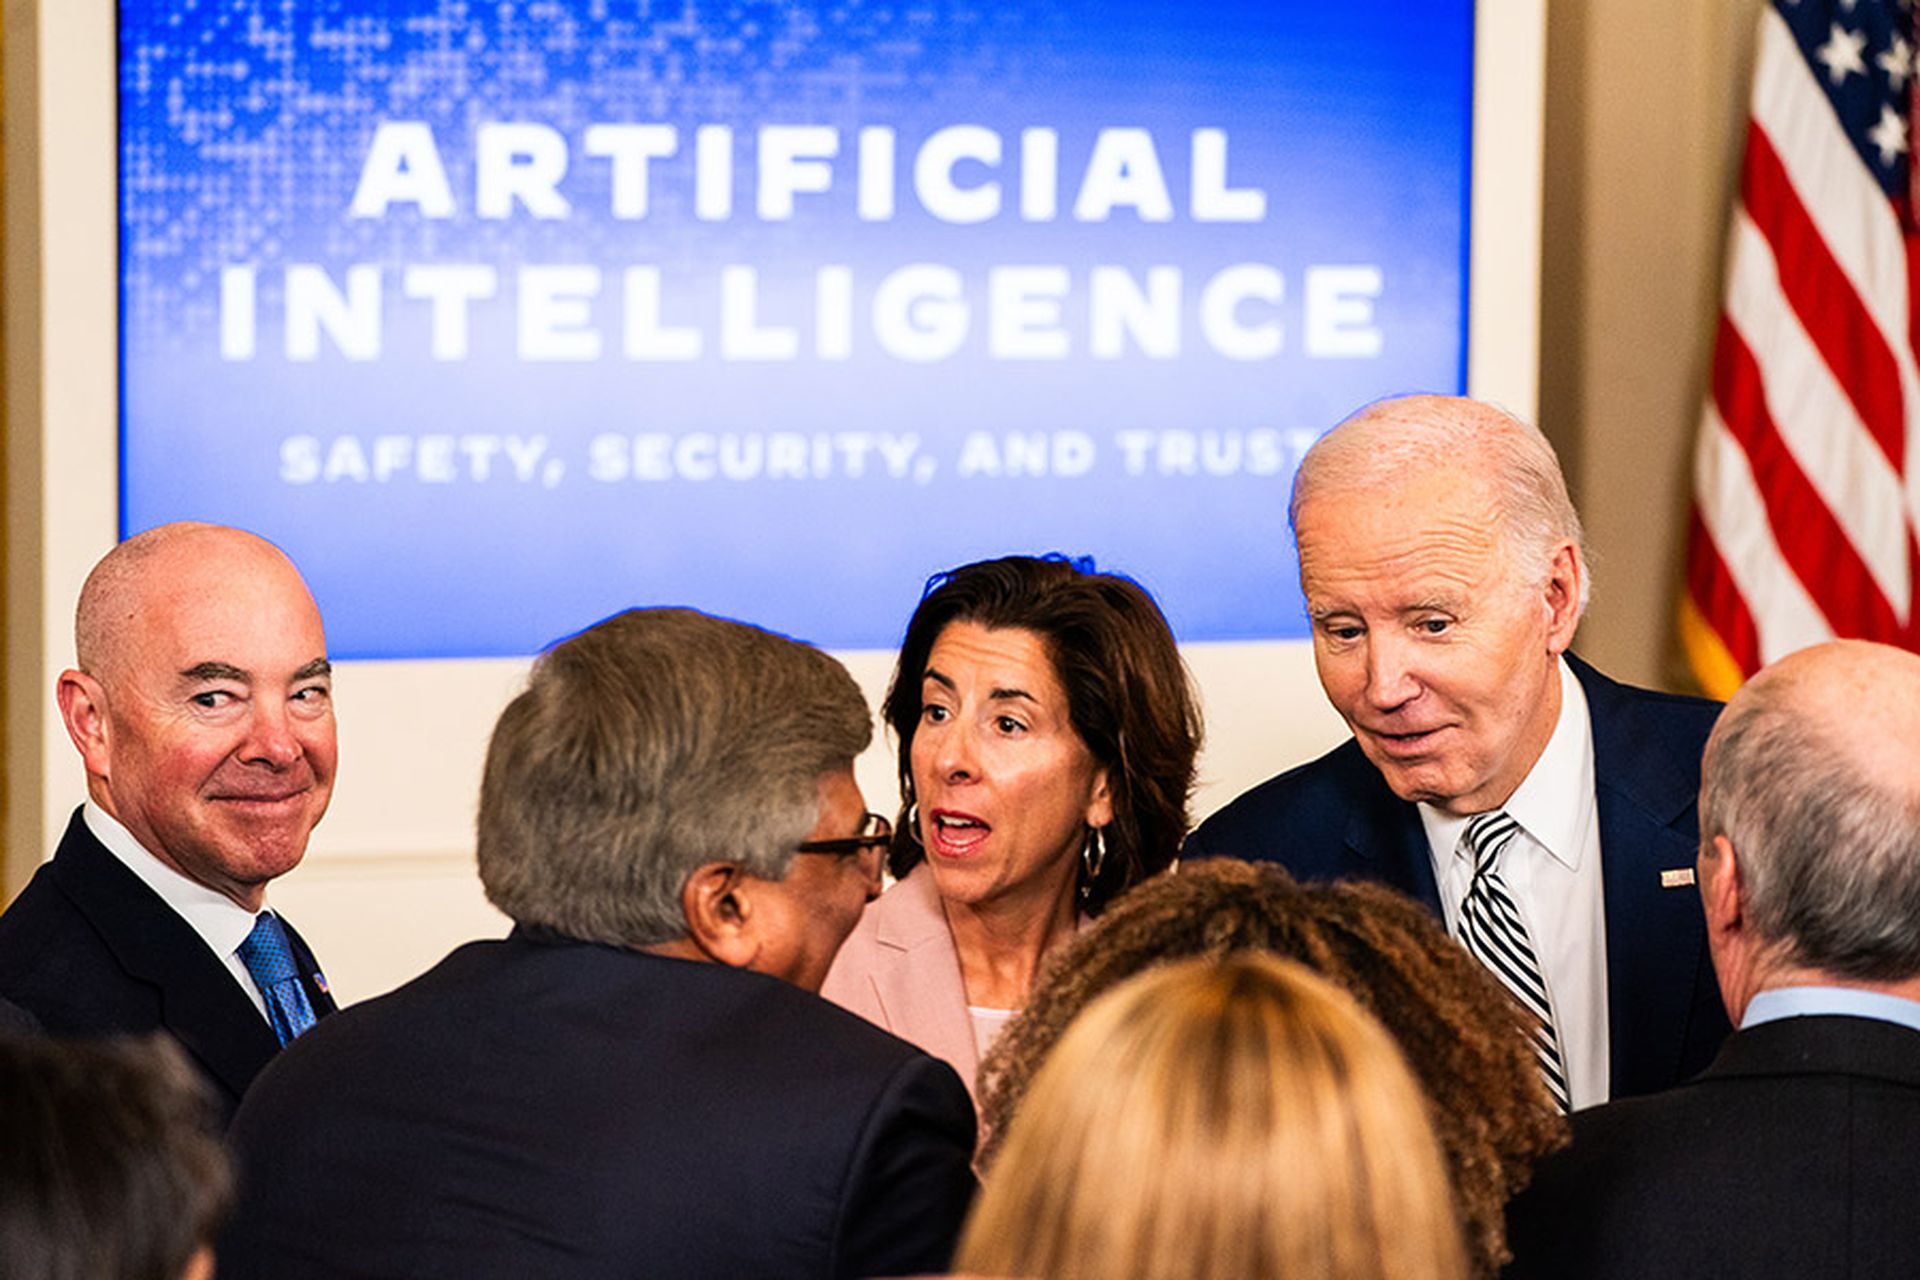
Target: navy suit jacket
{"points": [[1335, 818], [1797, 1153], [89, 949], [15, 1019], [540, 1106]]}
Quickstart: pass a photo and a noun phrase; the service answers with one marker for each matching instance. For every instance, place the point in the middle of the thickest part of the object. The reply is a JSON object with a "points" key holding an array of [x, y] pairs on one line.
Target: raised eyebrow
{"points": [[939, 678], [1001, 695], [314, 670], [216, 671]]}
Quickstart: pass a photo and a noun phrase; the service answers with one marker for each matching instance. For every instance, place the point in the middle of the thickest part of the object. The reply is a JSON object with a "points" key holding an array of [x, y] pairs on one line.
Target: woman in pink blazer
{"points": [[1047, 732]]}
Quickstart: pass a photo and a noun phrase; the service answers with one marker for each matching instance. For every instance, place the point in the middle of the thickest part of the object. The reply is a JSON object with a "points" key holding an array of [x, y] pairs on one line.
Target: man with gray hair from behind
{"points": [[639, 1080], [1798, 1151]]}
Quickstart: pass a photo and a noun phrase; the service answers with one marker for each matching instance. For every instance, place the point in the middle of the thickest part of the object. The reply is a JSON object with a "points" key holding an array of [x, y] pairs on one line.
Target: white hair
{"points": [[1409, 434]]}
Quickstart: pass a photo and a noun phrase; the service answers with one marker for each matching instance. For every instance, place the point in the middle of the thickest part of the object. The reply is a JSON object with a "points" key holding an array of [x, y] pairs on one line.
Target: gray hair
{"points": [[1395, 437], [645, 746], [1829, 845]]}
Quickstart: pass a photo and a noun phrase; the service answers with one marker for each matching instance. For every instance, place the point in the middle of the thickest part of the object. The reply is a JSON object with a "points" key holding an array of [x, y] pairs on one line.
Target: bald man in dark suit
{"points": [[200, 704], [1796, 1153]]}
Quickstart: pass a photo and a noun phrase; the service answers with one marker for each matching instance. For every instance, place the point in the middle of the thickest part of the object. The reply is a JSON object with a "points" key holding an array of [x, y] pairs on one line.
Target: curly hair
{"points": [[1129, 697], [1230, 1119], [1460, 1030]]}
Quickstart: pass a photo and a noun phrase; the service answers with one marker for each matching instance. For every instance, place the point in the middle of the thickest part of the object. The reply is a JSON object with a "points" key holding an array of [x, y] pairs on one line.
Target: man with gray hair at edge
{"points": [[639, 1080], [1797, 1153], [1545, 812]]}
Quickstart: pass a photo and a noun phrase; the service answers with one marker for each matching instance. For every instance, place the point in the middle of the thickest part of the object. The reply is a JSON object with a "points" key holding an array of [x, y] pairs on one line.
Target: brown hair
{"points": [[1129, 697], [1234, 1119], [646, 745], [110, 1165], [1457, 1026]]}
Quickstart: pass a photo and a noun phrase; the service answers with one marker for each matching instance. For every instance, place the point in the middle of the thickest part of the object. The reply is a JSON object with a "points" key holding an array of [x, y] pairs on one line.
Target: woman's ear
{"points": [[717, 903], [1100, 802]]}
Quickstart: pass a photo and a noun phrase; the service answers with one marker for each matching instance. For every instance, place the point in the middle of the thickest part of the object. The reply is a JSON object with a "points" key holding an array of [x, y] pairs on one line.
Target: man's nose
{"points": [[1391, 681], [272, 740]]}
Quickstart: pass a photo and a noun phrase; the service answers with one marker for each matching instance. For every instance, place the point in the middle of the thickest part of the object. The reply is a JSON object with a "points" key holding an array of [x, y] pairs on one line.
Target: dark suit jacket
{"points": [[17, 1020], [1335, 818], [88, 949], [539, 1106], [1797, 1153]]}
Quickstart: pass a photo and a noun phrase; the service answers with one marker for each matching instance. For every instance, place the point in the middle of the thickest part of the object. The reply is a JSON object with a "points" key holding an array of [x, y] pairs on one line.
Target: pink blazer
{"points": [[899, 970]]}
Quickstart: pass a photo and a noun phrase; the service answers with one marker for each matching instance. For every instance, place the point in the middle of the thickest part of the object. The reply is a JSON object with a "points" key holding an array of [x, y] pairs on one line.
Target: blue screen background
{"points": [[245, 125]]}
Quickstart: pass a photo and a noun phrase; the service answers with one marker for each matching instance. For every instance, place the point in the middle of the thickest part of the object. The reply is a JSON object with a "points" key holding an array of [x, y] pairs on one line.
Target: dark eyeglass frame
{"points": [[875, 833]]}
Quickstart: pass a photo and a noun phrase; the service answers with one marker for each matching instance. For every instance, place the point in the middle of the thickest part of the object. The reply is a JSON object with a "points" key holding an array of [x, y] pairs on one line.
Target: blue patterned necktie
{"points": [[1492, 929], [269, 958]]}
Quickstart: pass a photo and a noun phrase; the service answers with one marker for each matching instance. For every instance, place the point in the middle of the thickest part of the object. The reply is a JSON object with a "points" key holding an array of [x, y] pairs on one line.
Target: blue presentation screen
{"points": [[501, 317]]}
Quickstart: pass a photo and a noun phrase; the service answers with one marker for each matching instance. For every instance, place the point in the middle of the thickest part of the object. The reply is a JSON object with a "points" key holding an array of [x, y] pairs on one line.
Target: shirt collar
{"points": [[1803, 1002], [1554, 803], [223, 923]]}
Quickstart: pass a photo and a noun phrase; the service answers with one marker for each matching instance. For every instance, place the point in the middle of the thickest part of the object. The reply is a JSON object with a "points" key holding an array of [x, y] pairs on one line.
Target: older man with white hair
{"points": [[1797, 1152], [1543, 810]]}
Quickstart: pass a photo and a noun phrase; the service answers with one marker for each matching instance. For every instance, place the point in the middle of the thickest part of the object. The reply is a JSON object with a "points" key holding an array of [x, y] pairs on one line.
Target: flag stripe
{"points": [[1809, 536], [1807, 466], [1833, 315], [1853, 216], [1735, 517], [1714, 595], [1817, 421]]}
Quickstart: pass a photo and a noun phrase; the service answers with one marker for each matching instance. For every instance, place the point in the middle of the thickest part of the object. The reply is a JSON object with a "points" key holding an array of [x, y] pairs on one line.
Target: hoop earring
{"points": [[1093, 854], [913, 823]]}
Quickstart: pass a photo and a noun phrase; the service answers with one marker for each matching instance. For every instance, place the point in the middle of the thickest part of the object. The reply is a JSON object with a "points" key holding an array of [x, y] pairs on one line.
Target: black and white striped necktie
{"points": [[1492, 929]]}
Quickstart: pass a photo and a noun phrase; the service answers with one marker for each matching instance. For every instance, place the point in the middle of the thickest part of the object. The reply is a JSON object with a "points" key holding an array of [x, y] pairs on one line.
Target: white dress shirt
{"points": [[222, 923], [1552, 868]]}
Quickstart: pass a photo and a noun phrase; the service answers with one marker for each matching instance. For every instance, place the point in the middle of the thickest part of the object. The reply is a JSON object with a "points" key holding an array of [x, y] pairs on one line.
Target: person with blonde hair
{"points": [[1233, 1119], [1459, 1030]]}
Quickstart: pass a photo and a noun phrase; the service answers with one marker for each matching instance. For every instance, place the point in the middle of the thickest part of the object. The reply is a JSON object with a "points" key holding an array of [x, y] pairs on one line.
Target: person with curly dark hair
{"points": [[1459, 1029], [1229, 1119], [1047, 730]]}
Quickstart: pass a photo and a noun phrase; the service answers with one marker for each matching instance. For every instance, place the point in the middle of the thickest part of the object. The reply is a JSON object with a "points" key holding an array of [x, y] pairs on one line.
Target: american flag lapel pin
{"points": [[1676, 878], [320, 979]]}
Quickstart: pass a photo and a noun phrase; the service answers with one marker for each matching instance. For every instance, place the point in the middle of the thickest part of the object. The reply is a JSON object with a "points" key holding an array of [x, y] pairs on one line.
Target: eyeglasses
{"points": [[875, 833]]}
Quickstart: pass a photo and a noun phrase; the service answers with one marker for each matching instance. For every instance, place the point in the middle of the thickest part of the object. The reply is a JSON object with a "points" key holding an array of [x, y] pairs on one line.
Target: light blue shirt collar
{"points": [[1803, 1002]]}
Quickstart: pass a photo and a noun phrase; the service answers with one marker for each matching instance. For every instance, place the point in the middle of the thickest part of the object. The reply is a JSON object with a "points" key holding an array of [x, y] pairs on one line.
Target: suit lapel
{"points": [[1385, 836], [200, 1003], [1656, 943], [319, 994], [923, 989]]}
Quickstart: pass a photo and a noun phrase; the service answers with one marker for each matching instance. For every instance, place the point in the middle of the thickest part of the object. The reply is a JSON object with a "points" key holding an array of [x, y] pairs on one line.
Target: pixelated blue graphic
{"points": [[483, 397]]}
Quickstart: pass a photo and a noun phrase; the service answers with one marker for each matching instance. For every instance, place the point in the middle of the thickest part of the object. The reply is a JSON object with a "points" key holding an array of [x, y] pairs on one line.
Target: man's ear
{"points": [[1566, 578], [1721, 893], [718, 907], [83, 708]]}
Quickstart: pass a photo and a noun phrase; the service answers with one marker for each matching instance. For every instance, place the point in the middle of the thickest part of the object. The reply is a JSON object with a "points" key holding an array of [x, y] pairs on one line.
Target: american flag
{"points": [[1807, 470]]}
